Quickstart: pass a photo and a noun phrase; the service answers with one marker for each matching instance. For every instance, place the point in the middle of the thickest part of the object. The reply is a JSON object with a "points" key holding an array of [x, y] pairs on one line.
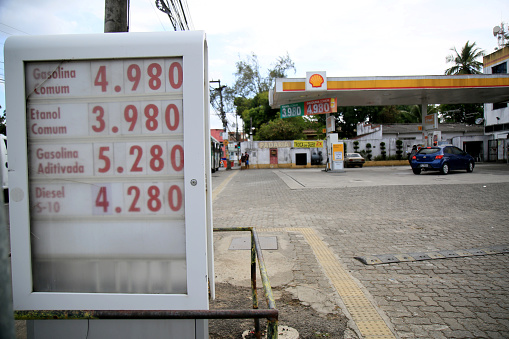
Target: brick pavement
{"points": [[449, 298]]}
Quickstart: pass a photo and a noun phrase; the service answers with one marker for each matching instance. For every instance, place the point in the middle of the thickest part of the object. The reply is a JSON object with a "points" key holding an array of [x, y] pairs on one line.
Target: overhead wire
{"points": [[176, 12], [191, 26], [157, 16]]}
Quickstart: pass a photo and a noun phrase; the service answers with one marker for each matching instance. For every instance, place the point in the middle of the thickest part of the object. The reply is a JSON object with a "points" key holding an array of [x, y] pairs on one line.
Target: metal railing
{"points": [[256, 252], [271, 314]]}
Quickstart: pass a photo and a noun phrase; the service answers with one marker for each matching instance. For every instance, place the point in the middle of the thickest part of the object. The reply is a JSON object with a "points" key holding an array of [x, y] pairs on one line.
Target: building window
{"points": [[499, 105], [499, 69]]}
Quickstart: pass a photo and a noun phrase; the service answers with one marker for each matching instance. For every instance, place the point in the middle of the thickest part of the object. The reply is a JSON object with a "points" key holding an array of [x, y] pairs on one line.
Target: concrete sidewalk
{"points": [[322, 221]]}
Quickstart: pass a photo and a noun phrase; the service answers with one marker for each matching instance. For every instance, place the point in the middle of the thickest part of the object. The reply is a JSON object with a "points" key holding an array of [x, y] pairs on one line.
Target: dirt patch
{"points": [[307, 321]]}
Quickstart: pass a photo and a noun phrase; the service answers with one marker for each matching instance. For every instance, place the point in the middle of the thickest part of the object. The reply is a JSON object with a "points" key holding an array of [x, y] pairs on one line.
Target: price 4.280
{"points": [[148, 198]]}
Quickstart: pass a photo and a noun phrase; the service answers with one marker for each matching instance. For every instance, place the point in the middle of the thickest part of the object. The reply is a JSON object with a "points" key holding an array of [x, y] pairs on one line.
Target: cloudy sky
{"points": [[343, 38]]}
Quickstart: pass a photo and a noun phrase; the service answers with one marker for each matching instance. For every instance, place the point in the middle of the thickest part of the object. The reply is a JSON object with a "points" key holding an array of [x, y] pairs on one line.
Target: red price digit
{"points": [[102, 200], [154, 71], [167, 117], [131, 116], [175, 198], [157, 162], [99, 118], [177, 165], [154, 203], [100, 79], [176, 69], [136, 191], [106, 159], [151, 113], [134, 77], [139, 153]]}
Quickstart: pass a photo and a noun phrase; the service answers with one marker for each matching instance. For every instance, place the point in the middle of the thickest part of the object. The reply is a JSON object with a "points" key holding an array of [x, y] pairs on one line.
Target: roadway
{"points": [[323, 221]]}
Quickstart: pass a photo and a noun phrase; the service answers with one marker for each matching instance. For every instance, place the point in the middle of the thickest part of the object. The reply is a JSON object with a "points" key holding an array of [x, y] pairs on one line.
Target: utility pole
{"points": [[221, 107], [116, 16], [223, 120]]}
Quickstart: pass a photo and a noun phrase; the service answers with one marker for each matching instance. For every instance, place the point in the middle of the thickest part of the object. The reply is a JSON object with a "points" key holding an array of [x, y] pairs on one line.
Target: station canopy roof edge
{"points": [[397, 90]]}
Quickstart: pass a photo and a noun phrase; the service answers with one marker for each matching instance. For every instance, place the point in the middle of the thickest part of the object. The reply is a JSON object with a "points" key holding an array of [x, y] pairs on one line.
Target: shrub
{"points": [[356, 146], [399, 149], [382, 150], [368, 151]]}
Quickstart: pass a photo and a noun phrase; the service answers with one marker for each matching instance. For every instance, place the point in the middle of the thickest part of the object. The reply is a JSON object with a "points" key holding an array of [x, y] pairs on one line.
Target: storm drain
{"points": [[417, 256]]}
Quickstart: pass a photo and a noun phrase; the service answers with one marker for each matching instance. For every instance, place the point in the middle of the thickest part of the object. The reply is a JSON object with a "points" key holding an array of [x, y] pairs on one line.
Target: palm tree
{"points": [[465, 63]]}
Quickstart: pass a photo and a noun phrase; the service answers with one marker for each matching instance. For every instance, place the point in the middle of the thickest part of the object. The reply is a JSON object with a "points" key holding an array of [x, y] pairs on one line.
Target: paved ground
{"points": [[324, 220]]}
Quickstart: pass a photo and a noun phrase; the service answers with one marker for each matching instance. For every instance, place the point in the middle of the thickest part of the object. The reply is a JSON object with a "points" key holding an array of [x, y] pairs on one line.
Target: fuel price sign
{"points": [[108, 174]]}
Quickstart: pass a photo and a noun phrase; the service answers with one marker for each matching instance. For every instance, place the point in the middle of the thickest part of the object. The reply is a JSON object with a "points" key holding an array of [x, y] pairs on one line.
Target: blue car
{"points": [[441, 158]]}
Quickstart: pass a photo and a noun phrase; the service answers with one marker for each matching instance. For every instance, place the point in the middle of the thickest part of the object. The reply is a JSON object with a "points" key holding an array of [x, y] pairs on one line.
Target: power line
{"points": [[19, 30], [157, 16], [176, 13]]}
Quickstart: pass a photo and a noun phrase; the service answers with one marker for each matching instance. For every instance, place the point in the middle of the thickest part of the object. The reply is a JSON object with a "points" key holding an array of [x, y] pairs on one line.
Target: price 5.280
{"points": [[140, 158]]}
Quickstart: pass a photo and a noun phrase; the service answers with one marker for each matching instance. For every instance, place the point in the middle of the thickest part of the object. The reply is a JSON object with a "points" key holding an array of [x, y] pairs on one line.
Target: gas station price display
{"points": [[319, 106], [102, 215], [121, 138]]}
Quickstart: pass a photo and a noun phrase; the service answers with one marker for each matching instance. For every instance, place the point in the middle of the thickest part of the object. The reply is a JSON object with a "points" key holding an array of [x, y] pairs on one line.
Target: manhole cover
{"points": [[244, 243]]}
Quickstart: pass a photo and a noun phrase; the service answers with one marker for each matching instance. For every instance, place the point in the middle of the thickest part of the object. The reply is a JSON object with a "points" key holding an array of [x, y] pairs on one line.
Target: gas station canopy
{"points": [[396, 90]]}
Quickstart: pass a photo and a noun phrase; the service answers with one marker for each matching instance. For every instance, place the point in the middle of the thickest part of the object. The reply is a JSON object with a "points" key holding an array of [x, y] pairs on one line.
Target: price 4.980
{"points": [[142, 198], [132, 76]]}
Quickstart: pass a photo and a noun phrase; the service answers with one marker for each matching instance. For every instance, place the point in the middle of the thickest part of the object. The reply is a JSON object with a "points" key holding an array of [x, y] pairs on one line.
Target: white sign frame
{"points": [[192, 48], [316, 81]]}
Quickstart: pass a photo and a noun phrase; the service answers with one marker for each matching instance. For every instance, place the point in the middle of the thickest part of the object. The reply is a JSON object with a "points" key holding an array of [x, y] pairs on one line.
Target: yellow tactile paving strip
{"points": [[363, 313], [220, 188]]}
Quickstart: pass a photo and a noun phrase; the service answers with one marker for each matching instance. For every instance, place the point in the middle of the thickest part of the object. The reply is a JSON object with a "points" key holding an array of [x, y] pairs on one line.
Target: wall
{"points": [[260, 157], [390, 146]]}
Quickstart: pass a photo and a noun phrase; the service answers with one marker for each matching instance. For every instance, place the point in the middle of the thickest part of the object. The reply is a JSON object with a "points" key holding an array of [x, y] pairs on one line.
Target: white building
{"points": [[467, 137], [496, 115]]}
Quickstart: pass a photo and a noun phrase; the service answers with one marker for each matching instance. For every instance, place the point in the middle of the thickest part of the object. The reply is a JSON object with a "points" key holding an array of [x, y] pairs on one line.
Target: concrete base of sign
{"points": [[283, 332], [336, 171], [117, 329]]}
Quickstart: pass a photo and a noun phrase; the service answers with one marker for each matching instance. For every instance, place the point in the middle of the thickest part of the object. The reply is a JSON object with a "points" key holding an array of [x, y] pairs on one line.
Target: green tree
{"points": [[413, 114], [465, 62], [250, 92], [464, 113], [281, 129]]}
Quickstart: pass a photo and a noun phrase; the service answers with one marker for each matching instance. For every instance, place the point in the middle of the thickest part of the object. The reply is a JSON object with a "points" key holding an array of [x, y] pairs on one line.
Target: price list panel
{"points": [[110, 204], [106, 155]]}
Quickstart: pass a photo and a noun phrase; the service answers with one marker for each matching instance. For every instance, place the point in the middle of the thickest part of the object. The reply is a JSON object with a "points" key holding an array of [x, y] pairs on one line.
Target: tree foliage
{"points": [[248, 96], [466, 61], [463, 113], [282, 129]]}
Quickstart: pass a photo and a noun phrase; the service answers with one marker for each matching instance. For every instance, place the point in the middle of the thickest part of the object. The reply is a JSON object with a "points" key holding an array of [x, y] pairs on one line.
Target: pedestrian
{"points": [[247, 160], [243, 161]]}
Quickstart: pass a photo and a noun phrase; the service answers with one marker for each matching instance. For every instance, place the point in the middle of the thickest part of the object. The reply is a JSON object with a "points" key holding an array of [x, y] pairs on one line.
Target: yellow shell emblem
{"points": [[316, 80]]}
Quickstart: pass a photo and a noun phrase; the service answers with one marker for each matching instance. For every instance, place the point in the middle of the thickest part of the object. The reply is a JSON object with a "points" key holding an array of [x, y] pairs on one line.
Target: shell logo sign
{"points": [[316, 81]]}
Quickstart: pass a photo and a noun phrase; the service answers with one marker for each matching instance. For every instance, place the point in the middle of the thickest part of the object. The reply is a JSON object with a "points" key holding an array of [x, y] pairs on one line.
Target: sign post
{"points": [[108, 171]]}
